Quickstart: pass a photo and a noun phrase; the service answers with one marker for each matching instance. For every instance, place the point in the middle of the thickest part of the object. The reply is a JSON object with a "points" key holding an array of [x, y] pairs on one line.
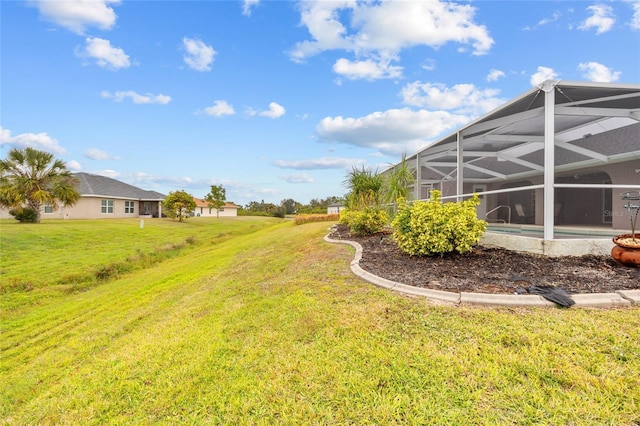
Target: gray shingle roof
{"points": [[96, 185]]}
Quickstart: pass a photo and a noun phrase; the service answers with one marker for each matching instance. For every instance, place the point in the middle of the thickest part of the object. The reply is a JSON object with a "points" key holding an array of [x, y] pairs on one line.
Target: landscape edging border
{"points": [[584, 300]]}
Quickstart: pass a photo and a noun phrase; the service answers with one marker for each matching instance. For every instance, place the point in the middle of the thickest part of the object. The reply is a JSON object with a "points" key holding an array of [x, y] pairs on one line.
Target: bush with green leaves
{"points": [[434, 228], [25, 215], [367, 221]]}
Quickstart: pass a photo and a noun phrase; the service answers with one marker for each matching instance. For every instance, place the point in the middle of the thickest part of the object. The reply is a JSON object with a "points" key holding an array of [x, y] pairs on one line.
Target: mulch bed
{"points": [[490, 270]]}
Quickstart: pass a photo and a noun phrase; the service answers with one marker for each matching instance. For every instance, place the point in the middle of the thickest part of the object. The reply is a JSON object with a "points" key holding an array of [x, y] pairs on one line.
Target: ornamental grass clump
{"points": [[431, 227]]}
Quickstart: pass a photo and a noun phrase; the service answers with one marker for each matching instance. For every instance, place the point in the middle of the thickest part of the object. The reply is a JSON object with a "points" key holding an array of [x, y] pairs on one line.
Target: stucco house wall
{"points": [[202, 210], [91, 208]]}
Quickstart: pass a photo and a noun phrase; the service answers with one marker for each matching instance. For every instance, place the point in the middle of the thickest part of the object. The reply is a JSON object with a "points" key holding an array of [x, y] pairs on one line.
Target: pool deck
{"points": [[568, 241]]}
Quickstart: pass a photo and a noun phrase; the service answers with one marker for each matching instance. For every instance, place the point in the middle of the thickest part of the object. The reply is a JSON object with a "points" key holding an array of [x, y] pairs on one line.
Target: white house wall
{"points": [[207, 212]]}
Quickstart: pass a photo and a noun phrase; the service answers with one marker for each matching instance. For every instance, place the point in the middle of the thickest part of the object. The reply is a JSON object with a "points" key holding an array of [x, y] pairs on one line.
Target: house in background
{"points": [[203, 210], [103, 197], [335, 208]]}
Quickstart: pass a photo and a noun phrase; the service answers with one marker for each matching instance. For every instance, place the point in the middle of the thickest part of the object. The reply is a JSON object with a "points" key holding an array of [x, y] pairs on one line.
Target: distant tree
{"points": [[290, 206], [179, 204], [255, 208], [216, 198], [30, 178], [318, 205]]}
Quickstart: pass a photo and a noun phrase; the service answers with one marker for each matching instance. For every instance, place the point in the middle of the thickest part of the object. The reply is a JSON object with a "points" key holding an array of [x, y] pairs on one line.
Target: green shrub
{"points": [[432, 227], [25, 215], [364, 222]]}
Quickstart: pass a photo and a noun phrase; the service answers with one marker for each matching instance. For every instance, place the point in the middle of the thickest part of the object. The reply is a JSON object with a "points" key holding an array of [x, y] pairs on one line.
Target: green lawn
{"points": [[257, 321]]}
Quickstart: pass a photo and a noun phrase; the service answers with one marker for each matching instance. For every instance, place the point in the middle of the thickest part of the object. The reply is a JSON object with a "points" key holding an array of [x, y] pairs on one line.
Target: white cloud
{"points": [[108, 173], [98, 154], [495, 75], [247, 5], [543, 74], [392, 132], [545, 21], [594, 71], [77, 15], [199, 56], [319, 163], [105, 55], [219, 109], [380, 30], [367, 69], [136, 98], [429, 64], [41, 141], [601, 19], [461, 98], [635, 19], [275, 111], [297, 178], [74, 166]]}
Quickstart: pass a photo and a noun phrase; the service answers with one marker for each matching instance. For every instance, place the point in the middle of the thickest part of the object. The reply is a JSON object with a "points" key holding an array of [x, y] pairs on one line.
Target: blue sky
{"points": [[280, 99]]}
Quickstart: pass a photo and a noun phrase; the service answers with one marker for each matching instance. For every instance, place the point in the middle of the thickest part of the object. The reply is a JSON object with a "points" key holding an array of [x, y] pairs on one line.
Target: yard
{"points": [[258, 321]]}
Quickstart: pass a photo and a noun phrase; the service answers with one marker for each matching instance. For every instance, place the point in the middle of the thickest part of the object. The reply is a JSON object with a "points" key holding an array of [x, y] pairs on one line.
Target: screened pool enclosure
{"points": [[558, 156]]}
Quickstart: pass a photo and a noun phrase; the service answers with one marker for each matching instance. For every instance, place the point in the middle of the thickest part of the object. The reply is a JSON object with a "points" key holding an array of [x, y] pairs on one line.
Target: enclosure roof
{"points": [[595, 123]]}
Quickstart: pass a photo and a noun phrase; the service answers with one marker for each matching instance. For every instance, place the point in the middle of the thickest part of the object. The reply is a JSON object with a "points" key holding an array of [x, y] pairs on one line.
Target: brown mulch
{"points": [[490, 270]]}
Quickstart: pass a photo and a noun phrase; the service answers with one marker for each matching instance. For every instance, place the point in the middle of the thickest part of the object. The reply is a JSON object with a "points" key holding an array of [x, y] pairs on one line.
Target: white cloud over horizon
{"points": [[495, 75], [543, 74], [634, 24], [219, 109], [275, 111], [594, 71], [297, 178], [105, 55], [78, 15], [392, 132], [98, 154], [247, 5], [367, 69], [136, 98], [461, 98], [323, 163], [199, 56], [601, 18], [377, 32], [41, 141], [73, 165]]}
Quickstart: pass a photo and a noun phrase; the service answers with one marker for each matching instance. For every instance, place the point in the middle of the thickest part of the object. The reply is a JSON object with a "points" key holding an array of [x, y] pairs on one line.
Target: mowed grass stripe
{"points": [[272, 328]]}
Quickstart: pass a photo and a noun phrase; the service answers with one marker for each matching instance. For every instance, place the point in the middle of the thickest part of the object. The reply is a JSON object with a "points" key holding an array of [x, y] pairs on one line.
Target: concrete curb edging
{"points": [[594, 300]]}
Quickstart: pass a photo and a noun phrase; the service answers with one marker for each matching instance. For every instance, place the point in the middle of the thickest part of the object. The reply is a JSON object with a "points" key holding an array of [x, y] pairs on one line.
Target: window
{"points": [[48, 208], [129, 206], [106, 207]]}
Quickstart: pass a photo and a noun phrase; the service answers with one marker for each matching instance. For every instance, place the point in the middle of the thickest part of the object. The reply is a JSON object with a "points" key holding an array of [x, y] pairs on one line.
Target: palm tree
{"points": [[31, 178], [397, 184], [365, 188]]}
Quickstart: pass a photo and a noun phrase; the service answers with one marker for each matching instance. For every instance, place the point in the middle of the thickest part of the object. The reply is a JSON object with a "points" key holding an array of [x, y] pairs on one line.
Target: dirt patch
{"points": [[490, 270]]}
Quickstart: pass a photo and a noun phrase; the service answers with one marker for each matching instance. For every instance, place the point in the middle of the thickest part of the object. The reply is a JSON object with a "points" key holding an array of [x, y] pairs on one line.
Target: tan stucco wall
{"points": [[207, 212], [87, 208], [90, 208]]}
